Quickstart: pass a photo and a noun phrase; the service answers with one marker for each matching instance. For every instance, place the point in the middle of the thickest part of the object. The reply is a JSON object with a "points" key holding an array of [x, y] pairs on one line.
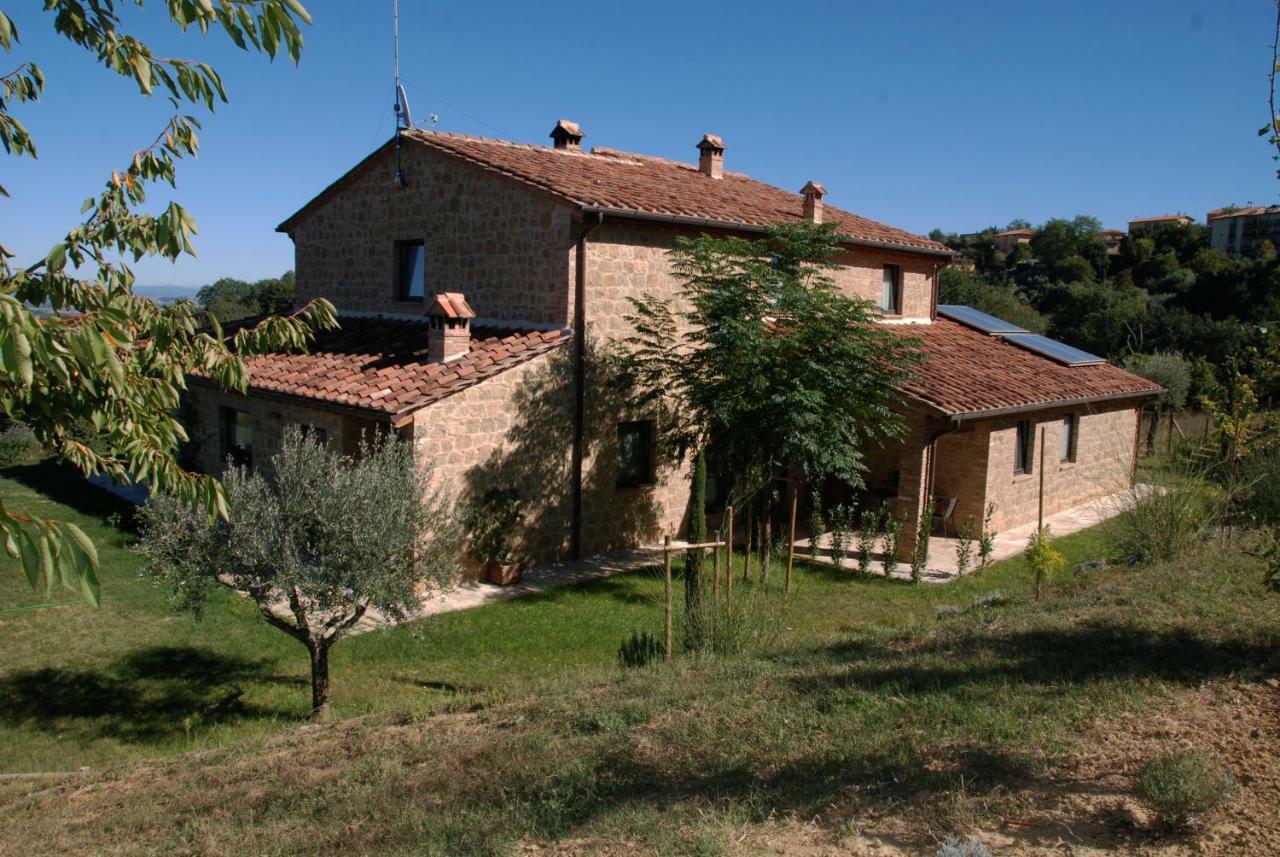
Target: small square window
{"points": [[1070, 429], [1024, 446], [237, 437], [411, 276], [635, 454], [315, 434], [891, 290]]}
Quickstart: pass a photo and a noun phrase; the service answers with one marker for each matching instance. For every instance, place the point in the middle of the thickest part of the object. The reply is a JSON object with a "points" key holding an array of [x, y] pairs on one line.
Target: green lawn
{"points": [[513, 721], [81, 686]]}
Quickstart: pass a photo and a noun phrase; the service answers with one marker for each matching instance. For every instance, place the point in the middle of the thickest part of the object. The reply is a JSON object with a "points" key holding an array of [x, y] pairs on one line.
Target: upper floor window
{"points": [[635, 454], [237, 437], [891, 290], [1023, 447], [411, 275], [1070, 426]]}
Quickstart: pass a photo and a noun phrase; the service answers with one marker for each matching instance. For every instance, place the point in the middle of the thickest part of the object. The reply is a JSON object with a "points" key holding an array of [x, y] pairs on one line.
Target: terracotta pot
{"points": [[500, 574]]}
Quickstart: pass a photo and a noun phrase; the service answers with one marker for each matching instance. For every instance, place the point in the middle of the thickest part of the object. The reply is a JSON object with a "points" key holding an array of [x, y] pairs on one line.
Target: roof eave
{"points": [[755, 228], [969, 416]]}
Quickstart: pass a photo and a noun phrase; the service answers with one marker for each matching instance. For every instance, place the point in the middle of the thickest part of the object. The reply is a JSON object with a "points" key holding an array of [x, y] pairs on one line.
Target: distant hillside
{"points": [[166, 293]]}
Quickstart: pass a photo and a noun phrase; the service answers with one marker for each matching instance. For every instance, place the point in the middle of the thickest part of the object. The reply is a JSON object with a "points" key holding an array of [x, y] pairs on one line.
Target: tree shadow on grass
{"points": [[62, 483], [143, 697], [1078, 655]]}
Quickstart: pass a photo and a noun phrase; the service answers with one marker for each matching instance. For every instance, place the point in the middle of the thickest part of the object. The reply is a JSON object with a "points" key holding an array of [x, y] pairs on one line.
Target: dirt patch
{"points": [[1084, 806]]}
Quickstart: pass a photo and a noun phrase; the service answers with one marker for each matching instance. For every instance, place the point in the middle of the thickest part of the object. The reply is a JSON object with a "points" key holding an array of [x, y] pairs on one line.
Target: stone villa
{"points": [[477, 281]]}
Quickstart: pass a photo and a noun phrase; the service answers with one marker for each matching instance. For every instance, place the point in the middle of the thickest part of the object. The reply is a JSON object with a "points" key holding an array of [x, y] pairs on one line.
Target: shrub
{"points": [[987, 538], [1162, 524], [817, 525], [18, 445], [867, 526], [920, 551], [964, 548], [752, 625], [640, 649], [1258, 498], [1043, 558], [1182, 787], [955, 847], [892, 538], [838, 521]]}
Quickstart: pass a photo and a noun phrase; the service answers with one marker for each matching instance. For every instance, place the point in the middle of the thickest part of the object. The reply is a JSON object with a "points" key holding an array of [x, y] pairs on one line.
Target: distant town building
{"points": [[1242, 230], [1010, 238], [1160, 221], [1112, 238]]}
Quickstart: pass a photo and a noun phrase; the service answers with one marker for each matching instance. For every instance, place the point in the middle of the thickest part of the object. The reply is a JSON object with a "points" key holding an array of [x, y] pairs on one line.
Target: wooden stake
{"points": [[1169, 443], [791, 539], [728, 566], [666, 582], [1040, 514], [715, 571]]}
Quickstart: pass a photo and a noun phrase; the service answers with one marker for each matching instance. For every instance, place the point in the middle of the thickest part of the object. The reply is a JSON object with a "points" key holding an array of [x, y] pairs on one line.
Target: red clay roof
{"points": [[450, 305], [626, 183], [380, 365], [966, 373]]}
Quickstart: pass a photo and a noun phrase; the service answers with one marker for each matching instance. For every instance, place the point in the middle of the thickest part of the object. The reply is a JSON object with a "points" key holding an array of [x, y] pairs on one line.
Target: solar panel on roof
{"points": [[1052, 348], [971, 317]]}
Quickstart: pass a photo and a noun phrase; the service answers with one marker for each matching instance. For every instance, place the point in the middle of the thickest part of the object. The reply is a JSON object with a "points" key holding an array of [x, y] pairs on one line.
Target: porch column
{"points": [[913, 480]]}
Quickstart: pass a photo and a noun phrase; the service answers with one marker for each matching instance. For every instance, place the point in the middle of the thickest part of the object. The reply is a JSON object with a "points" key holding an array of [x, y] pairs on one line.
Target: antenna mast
{"points": [[403, 120]]}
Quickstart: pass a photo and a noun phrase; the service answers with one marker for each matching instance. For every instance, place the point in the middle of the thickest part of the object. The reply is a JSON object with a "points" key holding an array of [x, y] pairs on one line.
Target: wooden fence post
{"points": [[791, 539], [1040, 513], [666, 574], [728, 574]]}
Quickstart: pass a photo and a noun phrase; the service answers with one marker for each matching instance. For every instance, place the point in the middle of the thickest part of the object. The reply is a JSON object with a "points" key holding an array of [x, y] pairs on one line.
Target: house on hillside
{"points": [[479, 280], [1157, 222]]}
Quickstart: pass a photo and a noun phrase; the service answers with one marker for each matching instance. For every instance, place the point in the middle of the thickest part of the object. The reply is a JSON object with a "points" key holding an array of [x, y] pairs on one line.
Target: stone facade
{"points": [[504, 245]]}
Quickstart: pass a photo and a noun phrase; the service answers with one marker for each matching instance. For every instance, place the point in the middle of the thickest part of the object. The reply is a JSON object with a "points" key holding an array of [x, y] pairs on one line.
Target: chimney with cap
{"points": [[449, 327], [813, 194], [567, 135], [711, 156]]}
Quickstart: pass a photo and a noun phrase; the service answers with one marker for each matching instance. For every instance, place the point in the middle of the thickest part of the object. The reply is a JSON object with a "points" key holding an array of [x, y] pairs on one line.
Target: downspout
{"points": [[580, 377]]}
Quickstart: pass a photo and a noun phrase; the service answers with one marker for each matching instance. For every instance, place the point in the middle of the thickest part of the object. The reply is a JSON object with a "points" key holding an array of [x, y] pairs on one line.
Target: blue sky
{"points": [[919, 114]]}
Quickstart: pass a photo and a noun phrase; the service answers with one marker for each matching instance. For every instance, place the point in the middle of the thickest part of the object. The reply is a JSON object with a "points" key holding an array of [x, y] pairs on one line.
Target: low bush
{"points": [[751, 626], [640, 649], [1258, 497], [1161, 524], [971, 847], [1182, 787], [18, 445]]}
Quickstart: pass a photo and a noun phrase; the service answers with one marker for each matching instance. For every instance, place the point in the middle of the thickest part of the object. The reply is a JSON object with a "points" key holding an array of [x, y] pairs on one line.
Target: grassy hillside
{"points": [[866, 721]]}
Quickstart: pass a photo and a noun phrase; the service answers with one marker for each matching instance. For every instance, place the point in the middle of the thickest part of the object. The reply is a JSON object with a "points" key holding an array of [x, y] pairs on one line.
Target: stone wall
{"points": [[201, 413], [506, 246], [1103, 465]]}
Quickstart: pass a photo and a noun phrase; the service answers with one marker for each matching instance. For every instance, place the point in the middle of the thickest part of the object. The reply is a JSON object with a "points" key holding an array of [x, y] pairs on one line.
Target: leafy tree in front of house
{"points": [[762, 358], [98, 380], [318, 542], [1170, 371]]}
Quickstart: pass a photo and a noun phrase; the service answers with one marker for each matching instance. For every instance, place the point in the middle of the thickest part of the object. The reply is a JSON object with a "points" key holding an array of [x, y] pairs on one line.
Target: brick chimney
{"points": [[567, 135], [711, 156], [449, 332], [813, 194]]}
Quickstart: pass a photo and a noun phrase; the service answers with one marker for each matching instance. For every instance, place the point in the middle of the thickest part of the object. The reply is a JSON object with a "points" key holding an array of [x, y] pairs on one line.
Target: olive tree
{"points": [[318, 541], [98, 380]]}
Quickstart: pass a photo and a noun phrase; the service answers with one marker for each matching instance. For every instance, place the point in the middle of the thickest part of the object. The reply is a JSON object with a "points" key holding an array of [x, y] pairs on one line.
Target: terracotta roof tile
{"points": [[967, 372], [380, 365], [608, 178]]}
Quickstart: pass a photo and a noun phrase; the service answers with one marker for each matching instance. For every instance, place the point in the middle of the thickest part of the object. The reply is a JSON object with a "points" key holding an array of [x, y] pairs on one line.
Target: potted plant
{"points": [[492, 526]]}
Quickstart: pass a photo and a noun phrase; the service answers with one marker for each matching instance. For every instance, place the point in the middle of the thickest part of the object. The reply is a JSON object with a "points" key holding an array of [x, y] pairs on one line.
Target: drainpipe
{"points": [[580, 377]]}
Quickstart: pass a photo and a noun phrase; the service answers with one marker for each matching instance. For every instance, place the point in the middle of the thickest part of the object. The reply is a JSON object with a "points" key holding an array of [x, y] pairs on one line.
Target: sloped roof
{"points": [[379, 365], [967, 373], [625, 183]]}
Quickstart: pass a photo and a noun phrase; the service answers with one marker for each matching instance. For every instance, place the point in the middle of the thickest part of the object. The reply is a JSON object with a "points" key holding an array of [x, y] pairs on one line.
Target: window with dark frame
{"points": [[1023, 448], [635, 454], [411, 277], [237, 437], [314, 433], [891, 290], [1070, 429]]}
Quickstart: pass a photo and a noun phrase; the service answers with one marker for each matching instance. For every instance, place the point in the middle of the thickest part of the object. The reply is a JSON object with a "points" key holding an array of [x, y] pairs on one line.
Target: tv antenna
{"points": [[404, 120]]}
